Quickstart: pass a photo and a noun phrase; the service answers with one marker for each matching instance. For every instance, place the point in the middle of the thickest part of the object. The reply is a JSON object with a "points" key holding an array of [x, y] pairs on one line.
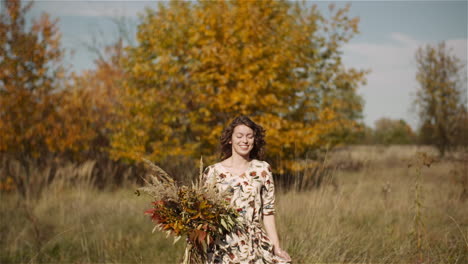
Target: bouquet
{"points": [[199, 212]]}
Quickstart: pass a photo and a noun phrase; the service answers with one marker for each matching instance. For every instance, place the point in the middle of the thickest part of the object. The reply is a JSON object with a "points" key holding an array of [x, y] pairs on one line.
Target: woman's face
{"points": [[242, 140]]}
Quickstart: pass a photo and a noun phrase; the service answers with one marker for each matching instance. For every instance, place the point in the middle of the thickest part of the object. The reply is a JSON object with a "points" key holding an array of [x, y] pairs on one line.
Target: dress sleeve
{"points": [[268, 191]]}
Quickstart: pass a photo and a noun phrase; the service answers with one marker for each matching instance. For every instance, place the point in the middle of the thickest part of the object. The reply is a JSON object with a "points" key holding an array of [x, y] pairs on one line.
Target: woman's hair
{"points": [[259, 138]]}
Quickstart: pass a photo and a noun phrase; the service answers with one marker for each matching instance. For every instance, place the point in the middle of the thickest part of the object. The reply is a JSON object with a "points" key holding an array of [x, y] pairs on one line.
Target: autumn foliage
{"points": [[30, 68], [198, 65], [48, 116], [44, 109]]}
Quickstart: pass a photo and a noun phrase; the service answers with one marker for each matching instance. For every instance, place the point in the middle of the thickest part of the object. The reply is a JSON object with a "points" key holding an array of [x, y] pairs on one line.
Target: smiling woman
{"points": [[235, 132], [249, 184], [242, 140]]}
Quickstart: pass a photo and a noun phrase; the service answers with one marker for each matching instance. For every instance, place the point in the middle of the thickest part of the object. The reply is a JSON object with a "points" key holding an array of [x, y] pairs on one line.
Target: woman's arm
{"points": [[268, 198], [270, 227]]}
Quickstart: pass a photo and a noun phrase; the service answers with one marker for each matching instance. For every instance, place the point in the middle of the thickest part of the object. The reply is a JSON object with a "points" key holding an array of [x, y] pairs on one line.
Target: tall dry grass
{"points": [[366, 216], [371, 219]]}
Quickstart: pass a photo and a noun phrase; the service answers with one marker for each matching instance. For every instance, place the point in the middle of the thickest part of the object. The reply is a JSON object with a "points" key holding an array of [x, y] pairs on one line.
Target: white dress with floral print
{"points": [[252, 194]]}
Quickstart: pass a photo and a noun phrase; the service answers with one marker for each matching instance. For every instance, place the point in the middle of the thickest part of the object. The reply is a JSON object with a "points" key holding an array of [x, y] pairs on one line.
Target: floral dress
{"points": [[252, 194]]}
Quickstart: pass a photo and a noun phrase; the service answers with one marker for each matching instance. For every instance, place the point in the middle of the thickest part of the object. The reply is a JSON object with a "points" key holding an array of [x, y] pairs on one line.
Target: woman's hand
{"points": [[281, 253]]}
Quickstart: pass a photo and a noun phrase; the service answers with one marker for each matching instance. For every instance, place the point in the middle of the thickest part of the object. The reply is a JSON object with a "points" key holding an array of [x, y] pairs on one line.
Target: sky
{"points": [[390, 34]]}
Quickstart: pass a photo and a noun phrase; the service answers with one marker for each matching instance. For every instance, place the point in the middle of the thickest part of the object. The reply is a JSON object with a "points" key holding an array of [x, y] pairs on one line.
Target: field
{"points": [[382, 211]]}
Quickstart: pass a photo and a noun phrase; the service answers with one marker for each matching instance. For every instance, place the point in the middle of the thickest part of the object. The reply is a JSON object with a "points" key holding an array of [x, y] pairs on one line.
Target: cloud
{"points": [[391, 84]]}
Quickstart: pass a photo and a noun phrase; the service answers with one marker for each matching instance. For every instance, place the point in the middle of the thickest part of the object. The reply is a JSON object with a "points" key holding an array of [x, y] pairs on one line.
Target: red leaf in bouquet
{"points": [[150, 211], [154, 215], [197, 237], [201, 236]]}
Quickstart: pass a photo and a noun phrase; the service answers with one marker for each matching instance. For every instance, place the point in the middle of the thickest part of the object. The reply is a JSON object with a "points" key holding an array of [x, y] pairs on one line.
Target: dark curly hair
{"points": [[259, 138]]}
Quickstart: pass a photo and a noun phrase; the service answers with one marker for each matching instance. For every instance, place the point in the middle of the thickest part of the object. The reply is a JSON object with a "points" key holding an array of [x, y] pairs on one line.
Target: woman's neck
{"points": [[237, 160]]}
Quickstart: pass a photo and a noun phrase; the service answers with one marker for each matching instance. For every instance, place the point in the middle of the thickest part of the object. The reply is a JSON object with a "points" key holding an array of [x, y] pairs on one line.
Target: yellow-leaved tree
{"points": [[41, 115], [30, 72], [98, 91], [197, 65], [41, 120]]}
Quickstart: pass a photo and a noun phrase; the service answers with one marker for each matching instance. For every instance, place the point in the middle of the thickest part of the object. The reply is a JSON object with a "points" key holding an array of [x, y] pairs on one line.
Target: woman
{"points": [[249, 183]]}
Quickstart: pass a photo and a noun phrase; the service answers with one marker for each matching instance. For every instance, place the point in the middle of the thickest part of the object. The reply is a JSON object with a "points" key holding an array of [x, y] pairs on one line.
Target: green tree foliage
{"points": [[389, 131], [364, 136], [199, 64], [441, 99]]}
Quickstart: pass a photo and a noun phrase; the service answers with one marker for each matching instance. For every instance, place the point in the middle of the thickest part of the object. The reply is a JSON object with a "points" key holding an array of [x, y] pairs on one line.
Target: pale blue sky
{"points": [[391, 31]]}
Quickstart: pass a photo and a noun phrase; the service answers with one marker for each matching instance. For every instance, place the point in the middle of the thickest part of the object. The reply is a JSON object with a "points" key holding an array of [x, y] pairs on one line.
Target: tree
{"points": [[30, 71], [440, 99], [98, 92], [389, 131], [365, 136], [461, 138], [40, 116], [197, 65]]}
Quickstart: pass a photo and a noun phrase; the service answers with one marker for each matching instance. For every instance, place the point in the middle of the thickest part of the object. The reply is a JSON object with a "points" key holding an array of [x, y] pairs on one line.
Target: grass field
{"points": [[383, 212]]}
